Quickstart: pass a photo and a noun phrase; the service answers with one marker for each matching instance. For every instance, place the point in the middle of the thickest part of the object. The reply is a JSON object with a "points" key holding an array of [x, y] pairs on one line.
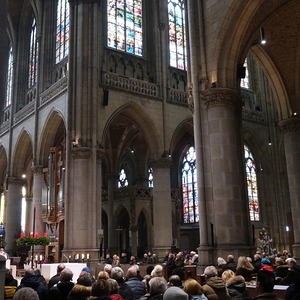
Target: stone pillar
{"points": [[28, 216], [133, 230], [162, 208], [100, 155], [112, 233], [229, 220], [37, 191], [82, 141], [291, 130], [14, 212]]}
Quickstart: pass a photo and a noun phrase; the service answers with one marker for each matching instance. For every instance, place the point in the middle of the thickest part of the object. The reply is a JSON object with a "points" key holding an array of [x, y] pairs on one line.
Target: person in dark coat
{"points": [[100, 290], [236, 285], [257, 264], [124, 289], [61, 290], [9, 279], [264, 285], [34, 281], [231, 264], [293, 291], [244, 268], [56, 278], [138, 289]]}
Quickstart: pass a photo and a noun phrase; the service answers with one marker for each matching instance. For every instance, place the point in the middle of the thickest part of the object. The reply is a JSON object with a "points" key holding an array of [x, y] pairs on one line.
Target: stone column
{"points": [[28, 216], [14, 212], [291, 131], [162, 208], [37, 191], [112, 233], [229, 220], [133, 230]]}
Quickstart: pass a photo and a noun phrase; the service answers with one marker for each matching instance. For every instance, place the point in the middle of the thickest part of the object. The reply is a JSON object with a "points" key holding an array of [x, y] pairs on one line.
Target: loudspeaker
{"points": [[241, 71], [105, 97]]}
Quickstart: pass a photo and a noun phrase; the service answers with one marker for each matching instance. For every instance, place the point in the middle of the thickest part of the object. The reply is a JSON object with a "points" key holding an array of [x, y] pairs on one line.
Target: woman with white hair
{"points": [[26, 293]]}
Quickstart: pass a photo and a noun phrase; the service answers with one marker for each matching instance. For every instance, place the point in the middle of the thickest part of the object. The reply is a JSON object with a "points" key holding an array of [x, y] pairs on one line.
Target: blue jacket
{"points": [[137, 287]]}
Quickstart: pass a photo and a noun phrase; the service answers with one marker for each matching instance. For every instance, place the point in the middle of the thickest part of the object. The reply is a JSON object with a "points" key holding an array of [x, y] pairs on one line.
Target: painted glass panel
{"points": [[245, 81], [33, 56], [189, 187], [122, 179], [251, 185], [177, 34], [62, 30], [124, 28], [9, 78]]}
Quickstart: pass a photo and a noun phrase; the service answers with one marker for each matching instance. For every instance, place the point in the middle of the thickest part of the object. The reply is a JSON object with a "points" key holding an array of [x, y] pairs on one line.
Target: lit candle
{"points": [[31, 234], [82, 256], [77, 256], [36, 257], [41, 257], [88, 256]]}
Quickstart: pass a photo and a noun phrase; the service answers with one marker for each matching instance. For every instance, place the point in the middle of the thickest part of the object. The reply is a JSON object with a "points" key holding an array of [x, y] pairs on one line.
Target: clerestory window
{"points": [[123, 182], [62, 30], [177, 34], [9, 78], [33, 56], [124, 28]]}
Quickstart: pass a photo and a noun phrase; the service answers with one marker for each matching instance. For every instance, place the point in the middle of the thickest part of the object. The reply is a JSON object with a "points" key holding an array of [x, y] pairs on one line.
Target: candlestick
{"points": [[77, 256], [88, 256], [82, 256]]}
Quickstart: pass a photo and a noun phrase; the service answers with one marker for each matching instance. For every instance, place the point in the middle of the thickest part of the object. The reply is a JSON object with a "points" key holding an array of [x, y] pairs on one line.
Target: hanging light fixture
{"points": [[262, 35]]}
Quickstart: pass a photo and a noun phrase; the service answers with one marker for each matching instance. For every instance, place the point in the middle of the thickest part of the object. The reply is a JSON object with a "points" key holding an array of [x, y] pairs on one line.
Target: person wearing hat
{"points": [[175, 292], [266, 265]]}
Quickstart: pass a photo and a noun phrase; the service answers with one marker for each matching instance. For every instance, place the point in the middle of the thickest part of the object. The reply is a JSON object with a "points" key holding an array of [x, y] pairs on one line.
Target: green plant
{"points": [[29, 241]]}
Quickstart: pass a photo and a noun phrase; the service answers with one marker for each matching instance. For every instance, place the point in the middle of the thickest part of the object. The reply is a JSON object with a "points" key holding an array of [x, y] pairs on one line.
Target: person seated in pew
{"points": [[265, 282]]}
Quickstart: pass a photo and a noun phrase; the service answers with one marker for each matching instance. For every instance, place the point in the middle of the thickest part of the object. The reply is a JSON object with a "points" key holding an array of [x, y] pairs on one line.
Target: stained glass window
{"points": [[251, 185], [189, 187], [245, 81], [124, 29], [150, 177], [62, 30], [33, 55], [177, 34], [9, 78], [122, 179]]}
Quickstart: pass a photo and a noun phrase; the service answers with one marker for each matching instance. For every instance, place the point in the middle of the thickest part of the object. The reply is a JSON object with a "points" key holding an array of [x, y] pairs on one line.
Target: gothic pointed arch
{"points": [[122, 227], [130, 131], [52, 134]]}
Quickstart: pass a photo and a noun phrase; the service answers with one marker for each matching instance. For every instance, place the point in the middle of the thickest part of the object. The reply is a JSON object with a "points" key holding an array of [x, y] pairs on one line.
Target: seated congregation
{"points": [[167, 279]]}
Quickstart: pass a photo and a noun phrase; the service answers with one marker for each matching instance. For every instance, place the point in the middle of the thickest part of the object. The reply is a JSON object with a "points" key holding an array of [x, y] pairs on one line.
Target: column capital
{"points": [[81, 153], [100, 154], [290, 125], [37, 170], [161, 163], [221, 97], [16, 180]]}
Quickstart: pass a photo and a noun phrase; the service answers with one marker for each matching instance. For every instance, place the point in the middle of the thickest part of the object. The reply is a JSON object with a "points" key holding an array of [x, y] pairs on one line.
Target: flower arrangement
{"points": [[33, 240]]}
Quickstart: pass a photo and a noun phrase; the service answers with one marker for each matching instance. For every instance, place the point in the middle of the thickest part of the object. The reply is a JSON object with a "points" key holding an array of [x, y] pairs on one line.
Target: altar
{"points": [[49, 270]]}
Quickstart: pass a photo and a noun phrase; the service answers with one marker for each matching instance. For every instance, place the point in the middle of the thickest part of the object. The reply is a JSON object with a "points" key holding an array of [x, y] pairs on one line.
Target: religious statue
{"points": [[264, 242]]}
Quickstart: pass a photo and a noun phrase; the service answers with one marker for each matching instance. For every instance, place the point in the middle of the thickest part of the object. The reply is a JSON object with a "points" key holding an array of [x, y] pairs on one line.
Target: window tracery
{"points": [[33, 56], [123, 182], [62, 30], [9, 78], [177, 34], [124, 28], [189, 187], [251, 185]]}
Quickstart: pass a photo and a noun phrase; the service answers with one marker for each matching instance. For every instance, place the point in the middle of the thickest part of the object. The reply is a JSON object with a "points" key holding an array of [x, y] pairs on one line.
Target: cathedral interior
{"points": [[134, 126]]}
